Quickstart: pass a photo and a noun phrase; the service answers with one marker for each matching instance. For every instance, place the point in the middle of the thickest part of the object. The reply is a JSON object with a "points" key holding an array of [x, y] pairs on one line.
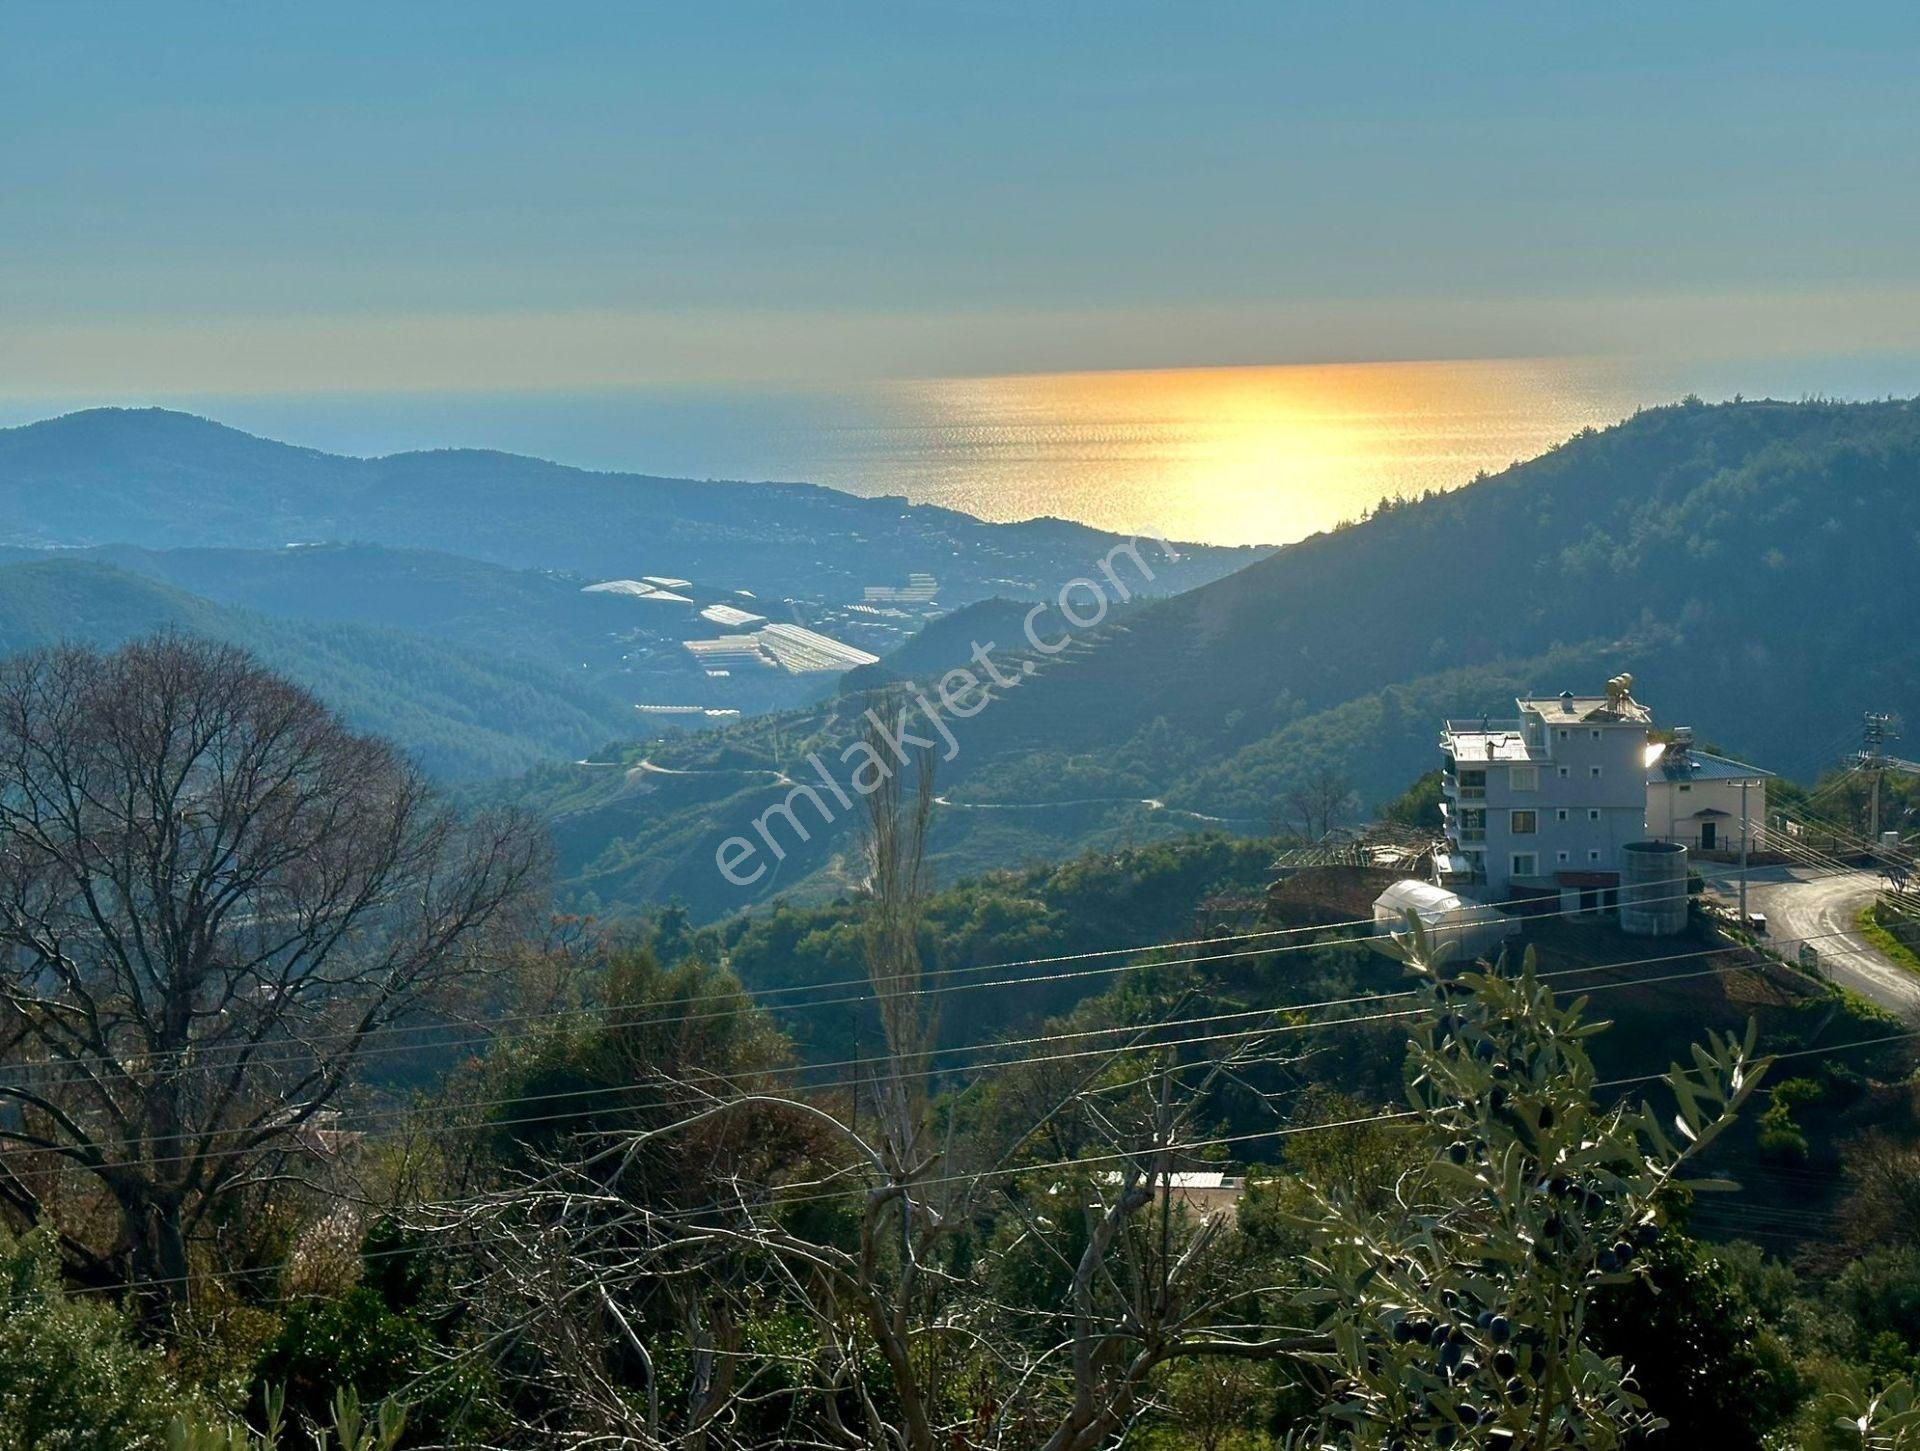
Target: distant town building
{"points": [[1706, 802], [1197, 1193], [801, 650], [1540, 805], [731, 617], [636, 589], [791, 648], [919, 590], [729, 652]]}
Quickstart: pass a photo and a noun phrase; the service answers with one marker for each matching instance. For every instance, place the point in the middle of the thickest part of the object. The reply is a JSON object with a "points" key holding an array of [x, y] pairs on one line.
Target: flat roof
{"points": [[635, 589], [1599, 709], [1686, 767], [729, 616], [1469, 747]]}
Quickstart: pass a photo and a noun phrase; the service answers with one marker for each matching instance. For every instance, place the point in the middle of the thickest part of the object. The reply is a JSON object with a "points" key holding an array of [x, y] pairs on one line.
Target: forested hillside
{"points": [[463, 713], [1752, 564]]}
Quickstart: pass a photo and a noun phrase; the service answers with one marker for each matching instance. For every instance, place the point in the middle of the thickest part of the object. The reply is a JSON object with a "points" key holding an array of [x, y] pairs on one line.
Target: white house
{"points": [[1706, 802], [1537, 807]]}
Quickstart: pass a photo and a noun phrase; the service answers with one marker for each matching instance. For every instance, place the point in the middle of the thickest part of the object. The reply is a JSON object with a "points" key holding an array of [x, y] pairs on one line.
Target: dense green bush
{"points": [[72, 1377]]}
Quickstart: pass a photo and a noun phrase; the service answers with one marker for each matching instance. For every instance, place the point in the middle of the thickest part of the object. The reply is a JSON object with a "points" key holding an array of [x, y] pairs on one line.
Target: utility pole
{"points": [[1873, 756], [1745, 832]]}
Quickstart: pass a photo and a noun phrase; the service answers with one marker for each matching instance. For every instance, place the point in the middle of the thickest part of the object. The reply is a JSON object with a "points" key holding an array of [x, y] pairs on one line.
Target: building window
{"points": [[1566, 735], [1596, 735], [1473, 784], [1593, 813], [1686, 787], [1561, 814], [1564, 856], [1525, 778], [1594, 771], [1525, 823], [1565, 771], [1473, 823], [1525, 864], [1593, 856]]}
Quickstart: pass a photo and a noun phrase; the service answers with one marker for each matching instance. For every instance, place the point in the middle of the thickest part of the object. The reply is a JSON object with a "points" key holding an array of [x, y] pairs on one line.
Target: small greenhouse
{"points": [[1465, 929]]}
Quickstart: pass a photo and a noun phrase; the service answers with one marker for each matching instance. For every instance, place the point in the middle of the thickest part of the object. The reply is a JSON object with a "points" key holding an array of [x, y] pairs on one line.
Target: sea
{"points": [[1234, 455]]}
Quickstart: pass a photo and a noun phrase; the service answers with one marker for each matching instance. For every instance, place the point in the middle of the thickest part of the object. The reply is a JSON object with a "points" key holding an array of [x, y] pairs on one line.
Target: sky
{"points": [[281, 199]]}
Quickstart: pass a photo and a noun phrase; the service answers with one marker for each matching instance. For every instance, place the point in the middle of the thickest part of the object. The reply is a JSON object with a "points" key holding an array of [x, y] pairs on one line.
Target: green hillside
{"points": [[1753, 564], [460, 712]]}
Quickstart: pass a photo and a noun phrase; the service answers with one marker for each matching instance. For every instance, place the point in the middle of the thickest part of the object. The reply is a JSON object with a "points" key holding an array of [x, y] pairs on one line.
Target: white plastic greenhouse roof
{"points": [[1415, 896]]}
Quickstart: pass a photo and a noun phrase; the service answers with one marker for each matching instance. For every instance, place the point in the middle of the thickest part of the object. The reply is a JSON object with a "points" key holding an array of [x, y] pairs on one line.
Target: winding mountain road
{"points": [[1820, 906]]}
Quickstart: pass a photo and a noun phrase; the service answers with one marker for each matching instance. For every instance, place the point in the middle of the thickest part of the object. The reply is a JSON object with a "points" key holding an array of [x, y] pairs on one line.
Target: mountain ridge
{"points": [[167, 479], [1745, 561]]}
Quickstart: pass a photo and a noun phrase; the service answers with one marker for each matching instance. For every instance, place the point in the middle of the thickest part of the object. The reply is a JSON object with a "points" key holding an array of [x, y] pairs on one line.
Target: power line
{"points": [[1187, 1148], [256, 1059], [1267, 1030]]}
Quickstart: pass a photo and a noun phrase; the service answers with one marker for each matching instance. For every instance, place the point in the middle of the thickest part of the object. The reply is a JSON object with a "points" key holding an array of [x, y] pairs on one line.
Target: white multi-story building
{"points": [[1538, 806]]}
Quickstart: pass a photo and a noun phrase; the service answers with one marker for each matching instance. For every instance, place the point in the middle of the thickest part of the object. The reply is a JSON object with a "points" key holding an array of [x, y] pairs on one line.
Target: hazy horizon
{"points": [[1222, 455], [473, 198], [950, 252]]}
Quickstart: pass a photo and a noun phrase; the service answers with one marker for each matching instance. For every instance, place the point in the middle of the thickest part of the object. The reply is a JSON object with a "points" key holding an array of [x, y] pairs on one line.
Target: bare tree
{"points": [[1313, 803], [211, 894], [923, 1337]]}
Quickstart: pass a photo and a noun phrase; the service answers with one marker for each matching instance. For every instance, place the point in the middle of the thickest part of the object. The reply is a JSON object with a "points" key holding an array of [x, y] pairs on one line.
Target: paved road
{"points": [[1802, 904]]}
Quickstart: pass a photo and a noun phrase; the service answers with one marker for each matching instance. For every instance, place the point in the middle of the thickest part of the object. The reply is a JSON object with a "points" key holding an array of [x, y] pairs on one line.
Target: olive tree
{"points": [[212, 895], [1458, 1314]]}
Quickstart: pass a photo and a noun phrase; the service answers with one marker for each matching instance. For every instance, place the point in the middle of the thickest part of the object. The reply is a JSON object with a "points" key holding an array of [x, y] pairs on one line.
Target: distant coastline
{"points": [[1240, 455]]}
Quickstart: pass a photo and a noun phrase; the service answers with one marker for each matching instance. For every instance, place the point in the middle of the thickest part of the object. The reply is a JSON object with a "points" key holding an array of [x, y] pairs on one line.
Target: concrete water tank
{"points": [[1653, 888]]}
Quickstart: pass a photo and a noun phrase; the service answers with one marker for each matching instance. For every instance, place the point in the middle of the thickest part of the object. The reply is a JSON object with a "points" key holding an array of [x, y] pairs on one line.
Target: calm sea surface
{"points": [[1226, 455]]}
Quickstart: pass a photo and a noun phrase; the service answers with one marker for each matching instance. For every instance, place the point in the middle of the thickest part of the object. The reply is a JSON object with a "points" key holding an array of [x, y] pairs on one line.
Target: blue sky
{"points": [[226, 198]]}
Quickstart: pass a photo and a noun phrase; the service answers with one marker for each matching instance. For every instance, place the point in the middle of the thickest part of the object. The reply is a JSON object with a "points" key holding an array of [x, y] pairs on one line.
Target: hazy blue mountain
{"points": [[166, 480], [517, 612], [462, 712], [1755, 565]]}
